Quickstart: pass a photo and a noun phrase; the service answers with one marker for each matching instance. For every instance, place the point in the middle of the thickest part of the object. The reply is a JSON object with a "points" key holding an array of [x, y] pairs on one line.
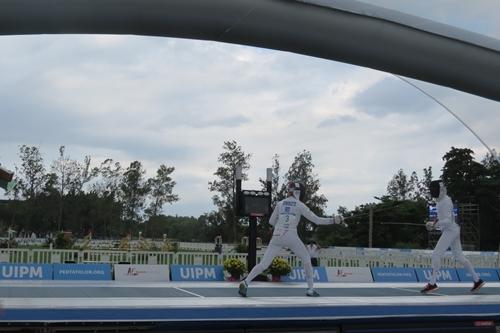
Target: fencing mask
{"points": [[296, 189], [435, 188]]}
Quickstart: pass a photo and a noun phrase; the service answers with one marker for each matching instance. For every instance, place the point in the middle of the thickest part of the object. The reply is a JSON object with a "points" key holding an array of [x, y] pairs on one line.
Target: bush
{"points": [[279, 267], [241, 248], [234, 266], [5, 243], [173, 247], [63, 241]]}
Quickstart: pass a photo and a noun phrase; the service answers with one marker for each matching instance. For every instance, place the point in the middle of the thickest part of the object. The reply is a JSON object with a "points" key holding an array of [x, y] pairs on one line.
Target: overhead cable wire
{"points": [[492, 151]]}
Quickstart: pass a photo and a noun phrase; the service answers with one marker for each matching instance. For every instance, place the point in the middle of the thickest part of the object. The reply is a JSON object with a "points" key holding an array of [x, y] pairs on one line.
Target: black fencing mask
{"points": [[435, 188]]}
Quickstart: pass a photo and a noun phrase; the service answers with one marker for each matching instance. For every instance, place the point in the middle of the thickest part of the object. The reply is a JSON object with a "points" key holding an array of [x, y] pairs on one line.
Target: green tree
{"points": [[109, 175], [489, 202], [492, 168], [414, 181], [180, 228], [276, 194], [161, 188], [302, 170], [108, 208], [424, 184], [70, 178], [133, 192], [224, 184], [213, 225], [461, 173], [31, 176], [102, 215], [400, 187], [337, 235], [399, 224], [469, 181], [396, 224]]}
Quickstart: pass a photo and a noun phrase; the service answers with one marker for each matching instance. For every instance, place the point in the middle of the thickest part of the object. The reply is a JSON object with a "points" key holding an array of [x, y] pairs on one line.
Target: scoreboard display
{"points": [[256, 203]]}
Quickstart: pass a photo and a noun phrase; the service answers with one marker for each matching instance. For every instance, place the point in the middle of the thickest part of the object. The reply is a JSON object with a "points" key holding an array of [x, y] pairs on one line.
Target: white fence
{"points": [[108, 244], [336, 257]]}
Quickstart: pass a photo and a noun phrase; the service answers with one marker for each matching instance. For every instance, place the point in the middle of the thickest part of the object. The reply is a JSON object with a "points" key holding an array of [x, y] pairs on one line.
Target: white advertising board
{"points": [[151, 273], [349, 274]]}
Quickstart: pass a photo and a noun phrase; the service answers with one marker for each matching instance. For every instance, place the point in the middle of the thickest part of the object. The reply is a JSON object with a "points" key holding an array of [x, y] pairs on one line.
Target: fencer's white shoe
{"points": [[429, 288], [243, 289], [477, 285], [312, 293]]}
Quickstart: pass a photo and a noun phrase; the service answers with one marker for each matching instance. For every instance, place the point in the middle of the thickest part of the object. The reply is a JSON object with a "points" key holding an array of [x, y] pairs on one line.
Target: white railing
{"points": [[107, 244], [330, 257]]}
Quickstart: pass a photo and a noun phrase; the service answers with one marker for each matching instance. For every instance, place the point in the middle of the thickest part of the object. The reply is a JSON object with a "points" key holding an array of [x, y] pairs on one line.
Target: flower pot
{"points": [[276, 278]]}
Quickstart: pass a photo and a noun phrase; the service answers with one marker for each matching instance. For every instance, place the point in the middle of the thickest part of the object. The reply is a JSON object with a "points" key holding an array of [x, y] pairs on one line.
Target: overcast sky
{"points": [[173, 101]]}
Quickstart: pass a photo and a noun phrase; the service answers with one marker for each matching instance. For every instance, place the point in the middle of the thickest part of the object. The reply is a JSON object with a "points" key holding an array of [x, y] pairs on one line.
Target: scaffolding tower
{"points": [[468, 218]]}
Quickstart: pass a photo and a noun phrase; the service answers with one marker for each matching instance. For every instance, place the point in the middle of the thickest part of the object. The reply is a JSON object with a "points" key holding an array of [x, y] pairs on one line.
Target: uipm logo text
{"points": [[21, 272], [198, 273]]}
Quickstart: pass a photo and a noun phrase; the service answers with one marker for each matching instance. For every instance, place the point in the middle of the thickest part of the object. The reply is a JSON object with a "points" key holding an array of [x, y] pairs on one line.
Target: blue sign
{"points": [[82, 272], [433, 212], [25, 272], [486, 274], [443, 275], [196, 273], [298, 275], [393, 274]]}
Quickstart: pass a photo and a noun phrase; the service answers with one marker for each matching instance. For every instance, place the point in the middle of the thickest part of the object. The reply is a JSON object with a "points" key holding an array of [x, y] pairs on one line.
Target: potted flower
{"points": [[278, 268], [235, 268]]}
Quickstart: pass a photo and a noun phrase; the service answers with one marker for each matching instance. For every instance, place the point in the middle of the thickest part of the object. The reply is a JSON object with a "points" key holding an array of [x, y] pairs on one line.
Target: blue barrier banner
{"points": [[394, 274], [298, 275], [196, 273], [82, 272], [486, 274], [444, 275], [25, 271]]}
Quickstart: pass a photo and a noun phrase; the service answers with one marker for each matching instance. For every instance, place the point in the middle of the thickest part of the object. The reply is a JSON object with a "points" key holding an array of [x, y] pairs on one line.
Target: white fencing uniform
{"points": [[285, 218], [313, 250], [450, 236]]}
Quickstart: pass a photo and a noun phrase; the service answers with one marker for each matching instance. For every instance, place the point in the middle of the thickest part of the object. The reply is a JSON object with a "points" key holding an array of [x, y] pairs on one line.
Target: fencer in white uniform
{"points": [[284, 219], [450, 237]]}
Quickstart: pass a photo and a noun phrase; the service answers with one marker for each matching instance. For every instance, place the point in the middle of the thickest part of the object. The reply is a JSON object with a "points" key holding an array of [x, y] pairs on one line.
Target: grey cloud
{"points": [[188, 208], [331, 122], [28, 118], [36, 54], [195, 116], [223, 122], [391, 96], [140, 148], [194, 194], [289, 112], [204, 122]]}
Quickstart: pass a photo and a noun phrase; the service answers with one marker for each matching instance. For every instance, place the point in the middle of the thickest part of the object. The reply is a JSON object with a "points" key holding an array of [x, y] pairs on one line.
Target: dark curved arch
{"points": [[331, 29]]}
